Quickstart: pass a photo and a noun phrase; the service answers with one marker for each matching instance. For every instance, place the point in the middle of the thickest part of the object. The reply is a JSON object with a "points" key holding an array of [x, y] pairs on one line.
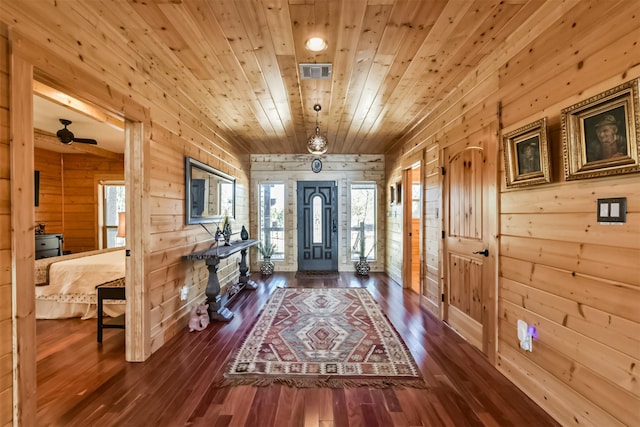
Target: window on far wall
{"points": [[113, 202], [363, 219], [272, 217]]}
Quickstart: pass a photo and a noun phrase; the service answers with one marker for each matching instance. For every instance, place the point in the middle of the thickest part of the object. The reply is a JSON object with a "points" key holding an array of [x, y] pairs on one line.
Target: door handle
{"points": [[484, 252]]}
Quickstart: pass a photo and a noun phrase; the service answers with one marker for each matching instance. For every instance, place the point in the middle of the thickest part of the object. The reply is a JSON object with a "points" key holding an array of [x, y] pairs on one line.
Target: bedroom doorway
{"points": [[25, 75], [81, 192]]}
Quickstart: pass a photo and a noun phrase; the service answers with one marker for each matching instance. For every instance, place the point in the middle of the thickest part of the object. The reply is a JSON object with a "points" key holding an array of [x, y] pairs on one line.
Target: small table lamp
{"points": [[121, 225]]}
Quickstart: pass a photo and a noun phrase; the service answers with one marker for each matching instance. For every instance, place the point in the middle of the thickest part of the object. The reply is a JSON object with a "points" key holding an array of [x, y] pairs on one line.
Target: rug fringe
{"points": [[322, 382]]}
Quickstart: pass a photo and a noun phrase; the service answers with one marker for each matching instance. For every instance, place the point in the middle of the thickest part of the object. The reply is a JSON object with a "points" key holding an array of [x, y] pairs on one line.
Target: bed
{"points": [[70, 290]]}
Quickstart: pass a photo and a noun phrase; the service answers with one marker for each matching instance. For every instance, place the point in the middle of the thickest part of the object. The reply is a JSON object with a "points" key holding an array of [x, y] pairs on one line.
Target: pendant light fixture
{"points": [[317, 144]]}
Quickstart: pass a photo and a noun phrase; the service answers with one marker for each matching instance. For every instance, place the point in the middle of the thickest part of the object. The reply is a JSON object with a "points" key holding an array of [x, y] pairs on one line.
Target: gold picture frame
{"points": [[526, 155], [601, 135]]}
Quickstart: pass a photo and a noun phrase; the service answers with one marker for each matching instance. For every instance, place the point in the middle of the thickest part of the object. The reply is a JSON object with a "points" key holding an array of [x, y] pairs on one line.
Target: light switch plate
{"points": [[612, 210]]}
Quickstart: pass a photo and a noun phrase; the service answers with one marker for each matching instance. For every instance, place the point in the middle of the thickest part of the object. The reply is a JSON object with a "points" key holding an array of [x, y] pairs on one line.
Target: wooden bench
{"points": [[114, 290]]}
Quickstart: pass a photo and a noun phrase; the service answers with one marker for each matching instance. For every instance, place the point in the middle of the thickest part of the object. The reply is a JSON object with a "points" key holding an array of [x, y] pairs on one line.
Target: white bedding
{"points": [[72, 286]]}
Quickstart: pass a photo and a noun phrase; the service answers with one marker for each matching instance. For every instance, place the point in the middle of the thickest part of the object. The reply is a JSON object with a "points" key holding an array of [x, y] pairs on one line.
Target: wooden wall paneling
{"points": [[603, 294], [558, 399], [166, 170], [6, 380], [582, 61], [568, 83], [613, 262], [136, 169], [433, 225], [50, 209], [58, 75], [170, 238], [480, 26], [6, 288], [453, 120], [394, 211], [22, 242], [588, 368], [581, 198], [562, 226], [617, 332], [81, 174]]}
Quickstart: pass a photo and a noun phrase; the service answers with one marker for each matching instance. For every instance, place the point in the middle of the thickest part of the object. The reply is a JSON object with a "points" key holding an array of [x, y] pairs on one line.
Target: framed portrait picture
{"points": [[526, 155], [601, 135]]}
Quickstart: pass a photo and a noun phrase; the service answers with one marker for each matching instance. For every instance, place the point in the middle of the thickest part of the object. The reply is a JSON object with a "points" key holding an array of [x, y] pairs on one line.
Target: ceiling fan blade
{"points": [[85, 141]]}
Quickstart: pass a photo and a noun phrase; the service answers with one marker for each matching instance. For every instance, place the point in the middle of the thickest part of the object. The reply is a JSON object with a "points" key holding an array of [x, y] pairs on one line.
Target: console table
{"points": [[212, 256]]}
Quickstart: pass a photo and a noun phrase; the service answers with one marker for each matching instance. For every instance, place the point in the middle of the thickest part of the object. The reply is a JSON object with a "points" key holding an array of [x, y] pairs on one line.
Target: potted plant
{"points": [[266, 250], [362, 266]]}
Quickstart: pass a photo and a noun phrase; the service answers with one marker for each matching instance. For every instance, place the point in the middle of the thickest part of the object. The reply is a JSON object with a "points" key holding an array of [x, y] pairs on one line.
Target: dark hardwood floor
{"points": [[83, 383]]}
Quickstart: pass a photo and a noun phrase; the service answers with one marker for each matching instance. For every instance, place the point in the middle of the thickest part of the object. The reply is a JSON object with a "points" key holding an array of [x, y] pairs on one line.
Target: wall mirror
{"points": [[210, 195]]}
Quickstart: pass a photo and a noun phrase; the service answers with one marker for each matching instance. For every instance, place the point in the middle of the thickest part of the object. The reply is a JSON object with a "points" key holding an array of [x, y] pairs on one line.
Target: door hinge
{"points": [[443, 234], [444, 171], [442, 297]]}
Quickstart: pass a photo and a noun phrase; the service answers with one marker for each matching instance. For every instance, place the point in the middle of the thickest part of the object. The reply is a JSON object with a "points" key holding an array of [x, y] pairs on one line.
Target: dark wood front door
{"points": [[317, 226]]}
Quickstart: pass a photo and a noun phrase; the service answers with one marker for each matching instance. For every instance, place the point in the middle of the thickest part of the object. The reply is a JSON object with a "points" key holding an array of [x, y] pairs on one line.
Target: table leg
{"points": [[99, 316], [245, 282], [216, 310]]}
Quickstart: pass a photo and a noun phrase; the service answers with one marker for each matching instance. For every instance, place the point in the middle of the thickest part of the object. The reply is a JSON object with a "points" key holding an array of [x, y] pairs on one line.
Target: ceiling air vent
{"points": [[315, 71]]}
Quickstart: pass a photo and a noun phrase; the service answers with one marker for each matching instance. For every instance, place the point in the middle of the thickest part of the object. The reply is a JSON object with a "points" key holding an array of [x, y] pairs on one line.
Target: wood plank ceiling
{"points": [[236, 62]]}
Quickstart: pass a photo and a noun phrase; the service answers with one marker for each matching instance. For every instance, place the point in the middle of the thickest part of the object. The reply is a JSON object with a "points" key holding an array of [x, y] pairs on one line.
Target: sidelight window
{"points": [[272, 207], [363, 220]]}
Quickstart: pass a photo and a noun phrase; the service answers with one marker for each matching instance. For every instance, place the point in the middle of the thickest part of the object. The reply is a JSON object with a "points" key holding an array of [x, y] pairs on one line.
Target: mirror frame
{"points": [[214, 173]]}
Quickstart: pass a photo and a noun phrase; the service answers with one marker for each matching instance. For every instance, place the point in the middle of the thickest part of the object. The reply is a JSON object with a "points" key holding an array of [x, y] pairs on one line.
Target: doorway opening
{"points": [[412, 251], [81, 194]]}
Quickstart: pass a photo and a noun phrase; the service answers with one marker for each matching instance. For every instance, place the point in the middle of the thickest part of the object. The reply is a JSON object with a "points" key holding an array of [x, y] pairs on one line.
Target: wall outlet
{"points": [[525, 335], [184, 291]]}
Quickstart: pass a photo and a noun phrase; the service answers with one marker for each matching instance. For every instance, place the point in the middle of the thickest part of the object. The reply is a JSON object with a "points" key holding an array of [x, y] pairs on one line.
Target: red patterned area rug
{"points": [[329, 337]]}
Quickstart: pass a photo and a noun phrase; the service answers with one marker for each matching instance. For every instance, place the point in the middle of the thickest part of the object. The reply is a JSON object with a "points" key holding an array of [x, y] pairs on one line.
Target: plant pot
{"points": [[266, 267], [362, 267]]}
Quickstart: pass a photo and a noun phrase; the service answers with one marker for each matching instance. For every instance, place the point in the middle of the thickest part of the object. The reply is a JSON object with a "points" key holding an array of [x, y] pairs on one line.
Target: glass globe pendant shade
{"points": [[317, 144]]}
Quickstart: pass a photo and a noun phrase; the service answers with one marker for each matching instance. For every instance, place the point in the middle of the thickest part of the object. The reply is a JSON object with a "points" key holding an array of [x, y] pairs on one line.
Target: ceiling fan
{"points": [[66, 136]]}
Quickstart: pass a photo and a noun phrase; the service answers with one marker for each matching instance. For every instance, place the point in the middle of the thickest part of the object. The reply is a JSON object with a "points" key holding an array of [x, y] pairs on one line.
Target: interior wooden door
{"points": [[469, 262]]}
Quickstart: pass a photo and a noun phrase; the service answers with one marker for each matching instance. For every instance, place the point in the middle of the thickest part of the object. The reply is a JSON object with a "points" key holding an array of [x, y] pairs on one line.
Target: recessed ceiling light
{"points": [[316, 44]]}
